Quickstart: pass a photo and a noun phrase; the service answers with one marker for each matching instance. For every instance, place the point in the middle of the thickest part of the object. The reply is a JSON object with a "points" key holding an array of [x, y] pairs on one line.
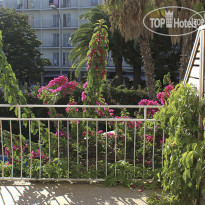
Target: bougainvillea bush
{"points": [[115, 150]]}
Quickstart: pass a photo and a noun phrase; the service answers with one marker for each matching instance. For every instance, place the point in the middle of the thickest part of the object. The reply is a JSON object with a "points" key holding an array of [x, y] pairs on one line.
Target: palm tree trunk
{"points": [[136, 75], [148, 66], [118, 70]]}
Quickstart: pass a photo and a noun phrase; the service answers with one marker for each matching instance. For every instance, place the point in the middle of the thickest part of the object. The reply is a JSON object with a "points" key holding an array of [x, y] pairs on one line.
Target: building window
{"points": [[66, 3], [55, 20], [66, 39], [30, 4], [55, 59], [66, 20], [94, 2], [19, 4], [54, 2], [56, 39], [65, 59]]}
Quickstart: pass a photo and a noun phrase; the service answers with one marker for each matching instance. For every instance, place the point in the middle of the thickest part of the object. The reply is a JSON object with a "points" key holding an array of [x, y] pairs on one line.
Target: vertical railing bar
{"points": [[163, 150], [96, 148], [2, 148], [87, 145], [153, 146], [68, 148], [12, 152], [134, 148], [77, 147], [58, 147], [29, 129], [49, 143], [145, 113], [21, 148], [145, 116], [39, 133], [115, 148], [106, 151], [19, 116], [125, 141]]}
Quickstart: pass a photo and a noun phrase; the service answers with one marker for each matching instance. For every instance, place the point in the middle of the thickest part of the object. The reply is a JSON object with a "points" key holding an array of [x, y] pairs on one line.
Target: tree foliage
{"points": [[20, 45], [81, 38], [117, 44], [97, 60], [184, 163]]}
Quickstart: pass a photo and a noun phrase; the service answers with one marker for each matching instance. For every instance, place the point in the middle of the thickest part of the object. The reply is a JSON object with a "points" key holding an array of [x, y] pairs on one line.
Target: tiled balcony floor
{"points": [[65, 193]]}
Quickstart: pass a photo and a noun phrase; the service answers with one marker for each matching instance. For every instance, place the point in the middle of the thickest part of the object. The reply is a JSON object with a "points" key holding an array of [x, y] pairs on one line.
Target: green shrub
{"points": [[184, 150]]}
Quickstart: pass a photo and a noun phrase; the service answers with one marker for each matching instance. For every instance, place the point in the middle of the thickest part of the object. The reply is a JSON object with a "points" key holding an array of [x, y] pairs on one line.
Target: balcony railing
{"points": [[46, 23], [78, 148]]}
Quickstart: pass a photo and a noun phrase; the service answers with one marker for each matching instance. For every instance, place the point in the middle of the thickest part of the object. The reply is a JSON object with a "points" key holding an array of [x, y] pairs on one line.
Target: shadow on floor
{"points": [[65, 193]]}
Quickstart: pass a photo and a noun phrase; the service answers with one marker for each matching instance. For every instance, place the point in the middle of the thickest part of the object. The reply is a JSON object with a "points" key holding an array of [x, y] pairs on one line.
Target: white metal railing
{"points": [[76, 148]]}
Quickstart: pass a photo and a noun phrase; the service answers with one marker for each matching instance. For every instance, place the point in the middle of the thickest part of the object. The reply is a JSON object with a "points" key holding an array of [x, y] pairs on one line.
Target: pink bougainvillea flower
{"points": [[161, 141], [71, 102], [169, 88], [61, 133], [9, 162], [5, 150], [85, 85], [163, 96], [150, 111], [83, 97], [100, 131]]}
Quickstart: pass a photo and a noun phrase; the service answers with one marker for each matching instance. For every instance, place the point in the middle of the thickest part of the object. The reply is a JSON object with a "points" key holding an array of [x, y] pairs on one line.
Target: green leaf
{"points": [[184, 159], [189, 159]]}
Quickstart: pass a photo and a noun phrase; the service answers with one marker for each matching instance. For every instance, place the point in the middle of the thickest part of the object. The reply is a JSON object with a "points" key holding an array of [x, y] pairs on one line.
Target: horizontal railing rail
{"points": [[80, 148]]}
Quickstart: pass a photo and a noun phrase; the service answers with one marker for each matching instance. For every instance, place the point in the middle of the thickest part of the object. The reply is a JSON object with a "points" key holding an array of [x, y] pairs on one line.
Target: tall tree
{"points": [[127, 16], [20, 45], [166, 56], [117, 46], [133, 57]]}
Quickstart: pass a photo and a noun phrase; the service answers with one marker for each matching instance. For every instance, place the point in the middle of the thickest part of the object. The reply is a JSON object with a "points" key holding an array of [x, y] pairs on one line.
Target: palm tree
{"points": [[127, 16], [81, 39]]}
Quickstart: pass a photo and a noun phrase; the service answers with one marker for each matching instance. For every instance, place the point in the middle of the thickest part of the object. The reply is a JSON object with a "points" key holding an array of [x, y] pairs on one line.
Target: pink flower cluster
{"points": [[97, 55], [150, 111], [163, 96], [36, 155], [83, 96], [71, 102], [7, 150], [149, 138], [85, 85], [59, 84], [105, 112], [61, 134]]}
